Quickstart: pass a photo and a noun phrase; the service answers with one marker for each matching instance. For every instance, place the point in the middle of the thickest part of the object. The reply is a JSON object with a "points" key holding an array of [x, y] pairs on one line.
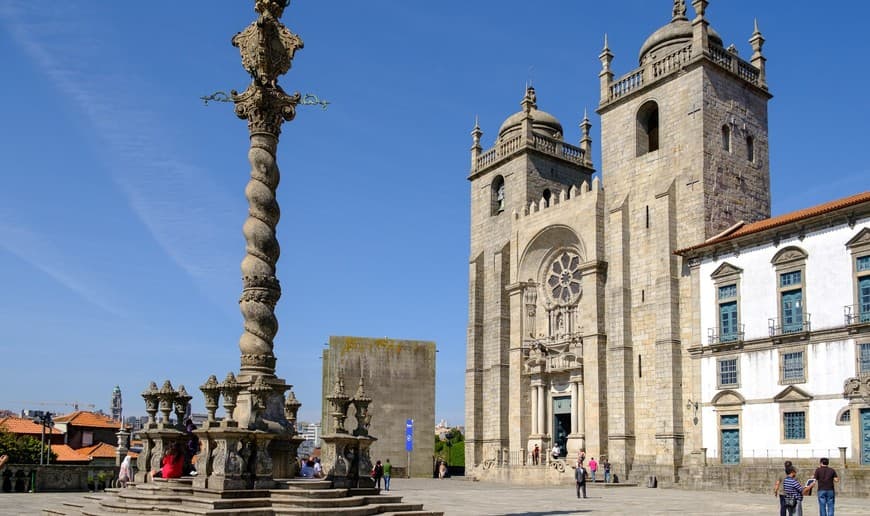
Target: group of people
{"points": [[384, 471], [581, 475], [791, 492], [311, 468]]}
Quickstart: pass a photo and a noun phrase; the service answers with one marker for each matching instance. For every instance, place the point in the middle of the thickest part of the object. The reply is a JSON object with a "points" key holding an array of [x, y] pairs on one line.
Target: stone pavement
{"points": [[456, 496]]}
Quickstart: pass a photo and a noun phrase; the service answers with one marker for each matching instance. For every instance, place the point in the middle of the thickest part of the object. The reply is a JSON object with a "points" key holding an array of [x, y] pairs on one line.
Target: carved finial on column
{"points": [[361, 402], [181, 400], [586, 139], [291, 410], [230, 388], [476, 149], [758, 60], [150, 397], [605, 77], [700, 35], [167, 396], [339, 402], [211, 391]]}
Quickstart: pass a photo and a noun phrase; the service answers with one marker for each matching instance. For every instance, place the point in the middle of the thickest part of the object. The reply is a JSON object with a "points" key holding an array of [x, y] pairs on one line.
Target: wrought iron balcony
{"points": [[714, 337], [856, 314], [777, 326]]}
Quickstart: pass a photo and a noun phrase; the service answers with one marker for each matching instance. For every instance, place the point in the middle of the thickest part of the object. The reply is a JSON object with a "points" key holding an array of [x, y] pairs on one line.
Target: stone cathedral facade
{"points": [[580, 313]]}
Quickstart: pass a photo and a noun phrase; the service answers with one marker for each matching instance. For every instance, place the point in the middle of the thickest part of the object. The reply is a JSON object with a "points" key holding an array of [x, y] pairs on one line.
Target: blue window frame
{"points": [[864, 298], [795, 425], [792, 311], [787, 279], [727, 376], [862, 263], [793, 366], [864, 358], [730, 420], [728, 321], [727, 292]]}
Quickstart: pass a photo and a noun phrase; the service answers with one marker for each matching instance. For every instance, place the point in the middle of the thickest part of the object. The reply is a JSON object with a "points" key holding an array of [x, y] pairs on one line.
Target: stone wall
{"points": [[400, 379], [760, 477], [56, 477]]}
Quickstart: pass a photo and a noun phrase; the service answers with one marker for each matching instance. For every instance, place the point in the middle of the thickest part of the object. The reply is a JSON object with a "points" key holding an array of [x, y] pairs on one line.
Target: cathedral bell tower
{"points": [[530, 163], [684, 157]]}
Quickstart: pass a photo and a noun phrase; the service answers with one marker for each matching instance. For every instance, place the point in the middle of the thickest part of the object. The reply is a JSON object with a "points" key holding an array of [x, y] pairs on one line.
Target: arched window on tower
{"points": [[750, 149], [648, 128], [726, 138], [498, 195]]}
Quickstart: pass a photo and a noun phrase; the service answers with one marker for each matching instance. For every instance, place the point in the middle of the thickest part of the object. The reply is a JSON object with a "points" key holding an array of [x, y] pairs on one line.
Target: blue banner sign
{"points": [[409, 435]]}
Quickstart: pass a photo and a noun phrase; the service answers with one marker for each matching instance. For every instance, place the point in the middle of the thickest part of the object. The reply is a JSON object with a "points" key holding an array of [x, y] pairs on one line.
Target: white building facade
{"points": [[784, 311]]}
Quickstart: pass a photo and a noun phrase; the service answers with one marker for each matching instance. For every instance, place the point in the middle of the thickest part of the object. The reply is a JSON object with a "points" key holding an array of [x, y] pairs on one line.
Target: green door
{"points": [[865, 436]]}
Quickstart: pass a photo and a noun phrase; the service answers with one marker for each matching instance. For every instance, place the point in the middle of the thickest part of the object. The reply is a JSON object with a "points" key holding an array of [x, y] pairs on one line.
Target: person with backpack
{"points": [[377, 473]]}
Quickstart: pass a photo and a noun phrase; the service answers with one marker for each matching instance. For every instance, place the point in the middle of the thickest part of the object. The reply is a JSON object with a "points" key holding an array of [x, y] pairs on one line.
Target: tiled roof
{"points": [[86, 419], [66, 454], [743, 229], [23, 426], [99, 450]]}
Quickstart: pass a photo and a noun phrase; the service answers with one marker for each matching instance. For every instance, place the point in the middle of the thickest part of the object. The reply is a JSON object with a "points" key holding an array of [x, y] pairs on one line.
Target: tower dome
{"points": [[673, 35], [542, 122]]}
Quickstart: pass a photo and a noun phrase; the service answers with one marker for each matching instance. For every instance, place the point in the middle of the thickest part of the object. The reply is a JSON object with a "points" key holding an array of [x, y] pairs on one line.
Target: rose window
{"points": [[563, 278]]}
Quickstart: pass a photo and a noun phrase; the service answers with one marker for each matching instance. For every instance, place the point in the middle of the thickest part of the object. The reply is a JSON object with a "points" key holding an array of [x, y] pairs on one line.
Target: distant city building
{"points": [[400, 379], [116, 405], [311, 432], [87, 428]]}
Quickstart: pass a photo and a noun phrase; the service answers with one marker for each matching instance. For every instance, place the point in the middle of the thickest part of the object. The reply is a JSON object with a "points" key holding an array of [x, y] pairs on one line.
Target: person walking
{"points": [[793, 491], [778, 488], [536, 455], [606, 466], [825, 478], [388, 472], [125, 473], [593, 467], [377, 473], [580, 479]]}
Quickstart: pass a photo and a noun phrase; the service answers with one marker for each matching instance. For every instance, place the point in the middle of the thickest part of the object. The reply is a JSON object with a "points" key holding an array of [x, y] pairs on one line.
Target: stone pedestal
{"points": [[346, 459], [155, 441], [228, 466], [576, 442]]}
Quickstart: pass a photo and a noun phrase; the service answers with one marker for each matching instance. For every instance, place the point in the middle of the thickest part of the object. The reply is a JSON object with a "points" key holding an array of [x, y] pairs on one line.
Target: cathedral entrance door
{"points": [[562, 422]]}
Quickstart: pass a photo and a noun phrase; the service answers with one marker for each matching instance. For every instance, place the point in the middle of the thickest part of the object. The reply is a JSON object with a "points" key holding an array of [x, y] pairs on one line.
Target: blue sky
{"points": [[121, 201]]}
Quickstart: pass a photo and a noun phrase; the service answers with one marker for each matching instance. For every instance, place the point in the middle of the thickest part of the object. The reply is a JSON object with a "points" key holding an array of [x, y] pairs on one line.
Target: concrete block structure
{"points": [[399, 375]]}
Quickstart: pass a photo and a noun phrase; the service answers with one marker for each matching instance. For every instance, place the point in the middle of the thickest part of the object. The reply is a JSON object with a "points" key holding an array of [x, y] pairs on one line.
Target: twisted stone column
{"points": [[267, 48]]}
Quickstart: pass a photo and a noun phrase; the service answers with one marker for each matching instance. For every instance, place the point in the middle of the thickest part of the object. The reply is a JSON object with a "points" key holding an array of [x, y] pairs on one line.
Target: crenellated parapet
{"points": [[565, 199]]}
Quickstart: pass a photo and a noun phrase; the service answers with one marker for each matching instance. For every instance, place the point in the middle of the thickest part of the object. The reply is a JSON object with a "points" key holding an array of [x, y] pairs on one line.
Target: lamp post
{"points": [[44, 420]]}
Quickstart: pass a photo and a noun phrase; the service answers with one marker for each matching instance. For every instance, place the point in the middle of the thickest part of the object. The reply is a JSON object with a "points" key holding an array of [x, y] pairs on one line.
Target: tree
{"points": [[21, 450], [451, 448]]}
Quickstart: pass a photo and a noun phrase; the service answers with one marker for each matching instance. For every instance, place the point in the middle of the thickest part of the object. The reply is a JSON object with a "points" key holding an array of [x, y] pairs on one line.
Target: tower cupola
{"points": [[672, 36], [542, 122]]}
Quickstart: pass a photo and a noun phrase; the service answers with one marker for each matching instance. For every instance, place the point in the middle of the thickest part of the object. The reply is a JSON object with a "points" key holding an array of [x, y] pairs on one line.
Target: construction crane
{"points": [[74, 404]]}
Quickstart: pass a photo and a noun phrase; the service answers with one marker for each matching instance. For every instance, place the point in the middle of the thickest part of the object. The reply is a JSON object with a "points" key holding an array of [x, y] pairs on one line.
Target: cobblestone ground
{"points": [[461, 497]]}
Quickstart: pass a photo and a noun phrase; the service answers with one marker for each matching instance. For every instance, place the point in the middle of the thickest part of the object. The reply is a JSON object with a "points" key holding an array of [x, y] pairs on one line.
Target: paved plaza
{"points": [[462, 497]]}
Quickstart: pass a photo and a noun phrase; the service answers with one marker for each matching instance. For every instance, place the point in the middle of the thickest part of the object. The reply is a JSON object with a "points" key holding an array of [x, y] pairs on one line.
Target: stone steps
{"points": [[293, 497]]}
